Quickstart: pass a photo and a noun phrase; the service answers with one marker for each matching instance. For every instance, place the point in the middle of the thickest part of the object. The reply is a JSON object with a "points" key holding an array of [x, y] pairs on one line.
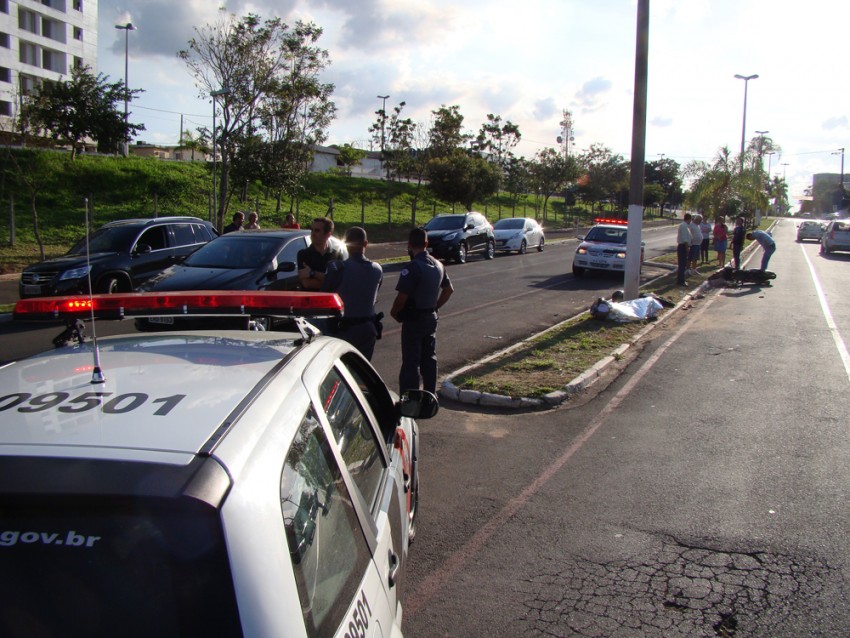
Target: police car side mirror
{"points": [[287, 266], [418, 404]]}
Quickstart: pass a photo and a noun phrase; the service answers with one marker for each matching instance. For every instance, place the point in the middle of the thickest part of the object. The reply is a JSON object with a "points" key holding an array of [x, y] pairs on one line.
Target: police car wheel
{"points": [[523, 248], [461, 254], [578, 272], [490, 252]]}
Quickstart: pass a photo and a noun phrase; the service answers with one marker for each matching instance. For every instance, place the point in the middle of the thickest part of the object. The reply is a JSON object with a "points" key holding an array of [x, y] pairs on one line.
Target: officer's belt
{"points": [[354, 321]]}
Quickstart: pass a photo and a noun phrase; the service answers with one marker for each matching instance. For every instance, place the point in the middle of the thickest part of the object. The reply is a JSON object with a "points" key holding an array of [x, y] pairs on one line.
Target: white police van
{"points": [[218, 483]]}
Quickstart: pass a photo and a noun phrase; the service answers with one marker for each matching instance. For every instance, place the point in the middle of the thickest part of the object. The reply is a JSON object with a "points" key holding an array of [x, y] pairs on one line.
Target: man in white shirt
{"points": [[696, 242], [683, 242]]}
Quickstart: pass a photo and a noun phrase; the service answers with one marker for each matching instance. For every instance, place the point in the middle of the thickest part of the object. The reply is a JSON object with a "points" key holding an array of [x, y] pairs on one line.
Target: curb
{"points": [[449, 390]]}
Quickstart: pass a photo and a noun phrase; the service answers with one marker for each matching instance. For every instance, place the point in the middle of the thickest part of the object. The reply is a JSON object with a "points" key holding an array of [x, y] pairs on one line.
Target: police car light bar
{"points": [[176, 304], [604, 220]]}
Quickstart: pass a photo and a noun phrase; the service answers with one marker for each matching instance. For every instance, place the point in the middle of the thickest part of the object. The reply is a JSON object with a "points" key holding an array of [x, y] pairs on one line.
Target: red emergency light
{"points": [[605, 220], [177, 304]]}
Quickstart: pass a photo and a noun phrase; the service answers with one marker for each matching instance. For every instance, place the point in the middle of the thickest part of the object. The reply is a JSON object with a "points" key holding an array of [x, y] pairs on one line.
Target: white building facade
{"points": [[43, 40]]}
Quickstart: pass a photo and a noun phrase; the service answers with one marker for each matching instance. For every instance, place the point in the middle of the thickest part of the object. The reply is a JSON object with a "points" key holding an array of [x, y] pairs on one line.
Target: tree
{"points": [[498, 140], [457, 177], [349, 157], [395, 135], [83, 107], [664, 173], [606, 175], [551, 172], [197, 141], [518, 179], [270, 74], [446, 133]]}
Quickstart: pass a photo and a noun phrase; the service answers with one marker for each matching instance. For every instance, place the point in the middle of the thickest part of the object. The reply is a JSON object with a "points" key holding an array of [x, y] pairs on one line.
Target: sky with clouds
{"points": [[528, 61]]}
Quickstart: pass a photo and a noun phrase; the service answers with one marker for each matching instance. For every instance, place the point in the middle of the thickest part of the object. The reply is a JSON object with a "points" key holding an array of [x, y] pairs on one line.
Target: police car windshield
{"points": [[445, 222], [95, 566], [235, 251], [509, 224], [607, 234], [106, 240]]}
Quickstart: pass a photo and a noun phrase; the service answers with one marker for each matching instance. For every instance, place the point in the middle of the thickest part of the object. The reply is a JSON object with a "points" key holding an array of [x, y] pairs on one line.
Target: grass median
{"points": [[548, 362]]}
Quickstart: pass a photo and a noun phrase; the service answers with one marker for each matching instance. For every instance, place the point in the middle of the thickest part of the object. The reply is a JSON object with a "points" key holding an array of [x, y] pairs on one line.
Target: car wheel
{"points": [[578, 272], [490, 252], [461, 254], [111, 285], [540, 245], [523, 248]]}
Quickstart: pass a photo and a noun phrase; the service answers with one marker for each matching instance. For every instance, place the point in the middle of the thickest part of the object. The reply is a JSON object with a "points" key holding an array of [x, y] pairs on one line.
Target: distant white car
{"points": [[603, 248], [518, 233], [809, 230]]}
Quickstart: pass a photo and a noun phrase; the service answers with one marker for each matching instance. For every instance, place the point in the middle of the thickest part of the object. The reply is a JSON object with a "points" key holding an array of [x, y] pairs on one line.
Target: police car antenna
{"points": [[97, 374]]}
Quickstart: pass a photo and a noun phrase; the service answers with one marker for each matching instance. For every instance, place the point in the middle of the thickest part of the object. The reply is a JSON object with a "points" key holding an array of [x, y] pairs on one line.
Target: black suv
{"points": [[455, 236], [122, 254]]}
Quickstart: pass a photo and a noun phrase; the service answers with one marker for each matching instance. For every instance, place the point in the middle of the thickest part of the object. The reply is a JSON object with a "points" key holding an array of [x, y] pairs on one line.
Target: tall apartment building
{"points": [[43, 40]]}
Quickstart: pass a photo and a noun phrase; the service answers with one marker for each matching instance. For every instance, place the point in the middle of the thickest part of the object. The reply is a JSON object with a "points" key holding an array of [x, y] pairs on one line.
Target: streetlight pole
{"points": [[214, 95], [383, 121], [126, 28], [841, 179], [746, 79]]}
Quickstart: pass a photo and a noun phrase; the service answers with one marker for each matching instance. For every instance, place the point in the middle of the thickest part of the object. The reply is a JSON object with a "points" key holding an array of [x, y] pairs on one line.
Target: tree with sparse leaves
{"points": [[551, 172], [86, 106], [349, 157]]}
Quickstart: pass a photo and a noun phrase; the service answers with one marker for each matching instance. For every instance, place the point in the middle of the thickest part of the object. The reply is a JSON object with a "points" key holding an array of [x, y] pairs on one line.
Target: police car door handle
{"points": [[394, 565]]}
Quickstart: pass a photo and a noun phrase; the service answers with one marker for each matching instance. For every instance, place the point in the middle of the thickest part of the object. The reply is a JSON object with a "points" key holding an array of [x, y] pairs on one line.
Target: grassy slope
{"points": [[137, 187]]}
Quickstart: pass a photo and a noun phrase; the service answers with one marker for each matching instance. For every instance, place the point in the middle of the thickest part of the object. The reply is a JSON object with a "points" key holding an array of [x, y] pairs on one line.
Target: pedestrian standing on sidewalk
{"points": [[356, 280], [705, 229], [738, 236], [696, 244], [683, 242], [236, 224], [767, 245], [721, 239], [423, 287], [253, 222]]}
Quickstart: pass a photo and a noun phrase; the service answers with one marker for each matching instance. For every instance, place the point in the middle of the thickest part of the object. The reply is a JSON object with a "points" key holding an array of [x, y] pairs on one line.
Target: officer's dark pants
{"points": [[419, 353], [736, 255], [362, 336]]}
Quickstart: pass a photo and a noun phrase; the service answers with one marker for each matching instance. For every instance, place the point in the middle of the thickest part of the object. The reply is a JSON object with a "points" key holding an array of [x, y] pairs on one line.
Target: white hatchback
{"points": [[208, 483], [519, 234], [603, 248]]}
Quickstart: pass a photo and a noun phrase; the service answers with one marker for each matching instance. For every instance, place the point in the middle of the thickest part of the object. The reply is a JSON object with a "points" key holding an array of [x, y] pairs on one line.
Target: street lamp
{"points": [[383, 121], [770, 155], [746, 79], [126, 28], [214, 95], [841, 180]]}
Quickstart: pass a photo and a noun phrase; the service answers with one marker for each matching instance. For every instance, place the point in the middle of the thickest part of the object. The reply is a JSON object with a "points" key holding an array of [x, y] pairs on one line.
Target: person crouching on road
{"points": [[683, 243], [767, 244], [356, 280], [423, 288]]}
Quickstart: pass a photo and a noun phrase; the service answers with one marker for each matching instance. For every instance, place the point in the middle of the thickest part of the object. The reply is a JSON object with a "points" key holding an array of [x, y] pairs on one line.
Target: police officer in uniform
{"points": [[356, 280], [423, 287]]}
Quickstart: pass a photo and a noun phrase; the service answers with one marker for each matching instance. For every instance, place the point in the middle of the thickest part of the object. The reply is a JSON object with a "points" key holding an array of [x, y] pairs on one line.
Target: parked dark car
{"points": [[456, 236], [122, 255], [245, 260]]}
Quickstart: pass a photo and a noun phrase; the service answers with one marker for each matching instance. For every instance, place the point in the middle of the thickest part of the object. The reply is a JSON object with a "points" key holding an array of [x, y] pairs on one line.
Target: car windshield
{"points": [[239, 251], [608, 234], [144, 567], [117, 239], [509, 224], [445, 222]]}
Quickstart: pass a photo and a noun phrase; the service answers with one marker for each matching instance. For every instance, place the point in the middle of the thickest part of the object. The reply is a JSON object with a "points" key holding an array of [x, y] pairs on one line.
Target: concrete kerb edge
{"points": [[580, 383]]}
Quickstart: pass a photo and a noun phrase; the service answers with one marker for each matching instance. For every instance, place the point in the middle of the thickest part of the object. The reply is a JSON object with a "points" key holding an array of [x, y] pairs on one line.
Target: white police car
{"points": [[603, 248], [227, 483]]}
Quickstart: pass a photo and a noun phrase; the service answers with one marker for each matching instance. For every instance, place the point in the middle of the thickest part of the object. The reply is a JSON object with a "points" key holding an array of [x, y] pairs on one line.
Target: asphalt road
{"points": [[703, 492], [496, 302]]}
